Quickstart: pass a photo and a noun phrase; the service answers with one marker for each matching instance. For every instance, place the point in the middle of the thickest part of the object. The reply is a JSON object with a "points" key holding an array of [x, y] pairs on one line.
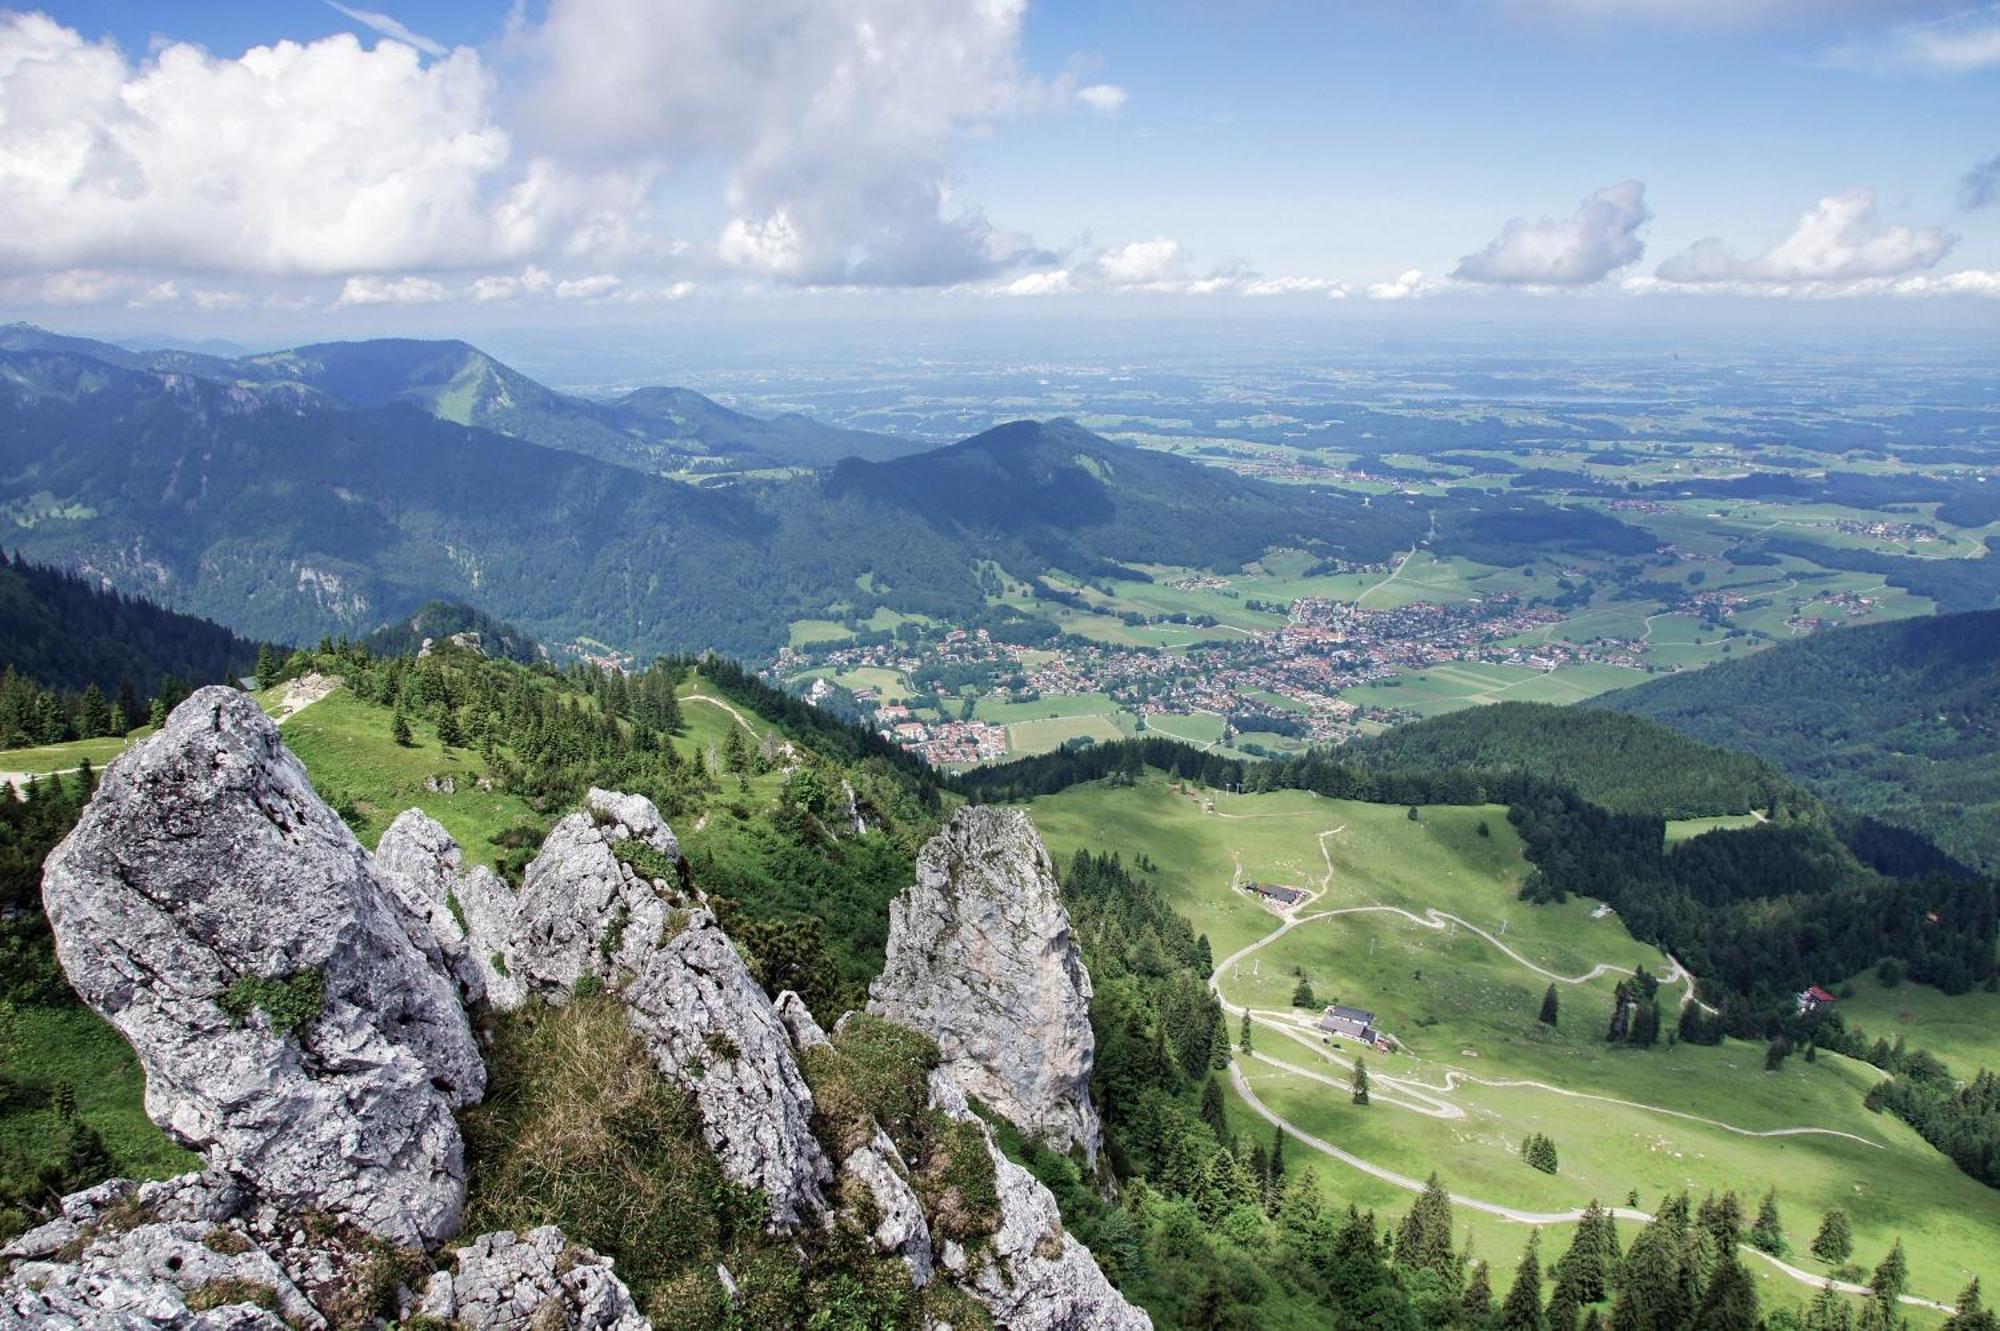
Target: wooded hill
{"points": [[1898, 720]]}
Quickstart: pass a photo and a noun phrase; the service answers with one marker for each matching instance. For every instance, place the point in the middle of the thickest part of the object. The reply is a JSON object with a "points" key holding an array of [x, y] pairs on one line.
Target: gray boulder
{"points": [[292, 1030], [505, 1282], [582, 910], [980, 957]]}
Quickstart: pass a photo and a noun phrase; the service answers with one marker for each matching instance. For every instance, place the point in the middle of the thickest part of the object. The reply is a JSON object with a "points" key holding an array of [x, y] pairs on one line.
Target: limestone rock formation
{"points": [[505, 1282], [215, 910], [637, 927], [980, 957], [469, 913], [1034, 1276], [584, 911], [878, 1170]]}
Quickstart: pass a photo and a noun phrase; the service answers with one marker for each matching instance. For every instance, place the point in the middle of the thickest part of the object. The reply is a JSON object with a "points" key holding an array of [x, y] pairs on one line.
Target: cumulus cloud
{"points": [[325, 158], [1413, 284], [1599, 238], [364, 289], [1981, 185], [1106, 97], [1159, 265], [1839, 239], [836, 121], [391, 27], [1959, 43]]}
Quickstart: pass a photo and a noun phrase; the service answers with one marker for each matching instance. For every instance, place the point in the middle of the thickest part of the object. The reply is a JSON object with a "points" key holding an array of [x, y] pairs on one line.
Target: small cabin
{"points": [[1349, 1023], [1812, 998], [1284, 896]]}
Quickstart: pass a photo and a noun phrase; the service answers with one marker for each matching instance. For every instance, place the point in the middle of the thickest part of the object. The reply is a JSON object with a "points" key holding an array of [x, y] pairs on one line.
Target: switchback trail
{"points": [[1521, 1217]]}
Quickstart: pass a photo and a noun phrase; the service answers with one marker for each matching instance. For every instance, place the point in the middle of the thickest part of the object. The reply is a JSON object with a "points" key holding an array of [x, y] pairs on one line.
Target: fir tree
{"points": [[450, 735], [1424, 1239], [1834, 1243], [1360, 1081], [1522, 1310], [267, 666], [1972, 1314], [1549, 1007], [399, 730], [1828, 1312], [1768, 1234], [1730, 1301], [1302, 994], [1243, 1040], [1212, 1111], [1477, 1305]]}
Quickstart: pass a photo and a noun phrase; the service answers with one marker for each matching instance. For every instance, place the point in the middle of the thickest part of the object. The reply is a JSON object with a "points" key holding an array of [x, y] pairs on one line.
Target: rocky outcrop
{"points": [[584, 910], [286, 1007], [176, 1254], [504, 1282], [632, 923], [876, 1186], [980, 957], [1033, 1275], [470, 913]]}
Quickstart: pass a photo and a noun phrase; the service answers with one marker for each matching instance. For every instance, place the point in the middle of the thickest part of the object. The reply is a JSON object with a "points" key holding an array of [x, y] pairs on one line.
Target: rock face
{"points": [[1036, 1276], [290, 1012], [585, 912], [501, 1282], [980, 957]]}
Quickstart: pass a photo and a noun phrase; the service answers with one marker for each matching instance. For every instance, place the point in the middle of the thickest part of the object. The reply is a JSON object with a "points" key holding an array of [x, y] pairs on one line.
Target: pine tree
{"points": [[267, 666], [1522, 1310], [1243, 1041], [399, 730], [1360, 1080], [1424, 1239], [1730, 1301], [1302, 994], [1274, 1171], [1883, 1312], [1834, 1243], [1828, 1312], [1211, 1109], [1549, 1007], [1582, 1269], [1768, 1234], [449, 733], [93, 714]]}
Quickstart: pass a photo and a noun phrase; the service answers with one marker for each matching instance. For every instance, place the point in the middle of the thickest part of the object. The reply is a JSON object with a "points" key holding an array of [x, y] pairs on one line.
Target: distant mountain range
{"points": [[331, 488], [1899, 720], [651, 429]]}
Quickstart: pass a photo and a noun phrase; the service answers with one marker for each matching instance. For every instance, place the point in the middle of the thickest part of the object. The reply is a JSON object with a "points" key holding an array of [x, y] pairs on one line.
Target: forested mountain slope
{"points": [[1898, 720]]}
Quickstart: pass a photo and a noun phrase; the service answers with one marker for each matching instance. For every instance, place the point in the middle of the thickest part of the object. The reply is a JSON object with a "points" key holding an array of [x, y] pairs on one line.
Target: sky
{"points": [[231, 167]]}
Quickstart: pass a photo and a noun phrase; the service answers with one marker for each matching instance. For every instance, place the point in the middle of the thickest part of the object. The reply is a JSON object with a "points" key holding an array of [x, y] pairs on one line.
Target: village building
{"points": [[1812, 998]]}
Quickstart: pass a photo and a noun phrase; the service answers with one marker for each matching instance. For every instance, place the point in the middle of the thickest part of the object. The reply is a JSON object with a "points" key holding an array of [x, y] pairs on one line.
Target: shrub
{"points": [[291, 1003]]}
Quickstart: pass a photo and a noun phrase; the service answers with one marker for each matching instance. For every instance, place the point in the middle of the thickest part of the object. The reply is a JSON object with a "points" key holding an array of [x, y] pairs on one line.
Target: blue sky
{"points": [[426, 162]]}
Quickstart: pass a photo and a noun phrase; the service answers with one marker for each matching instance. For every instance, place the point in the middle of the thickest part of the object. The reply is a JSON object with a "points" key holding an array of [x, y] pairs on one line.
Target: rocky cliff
{"points": [[980, 957], [301, 1010]]}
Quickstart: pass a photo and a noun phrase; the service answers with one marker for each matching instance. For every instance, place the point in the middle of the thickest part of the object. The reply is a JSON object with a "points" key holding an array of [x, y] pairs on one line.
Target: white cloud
{"points": [[1411, 285], [1144, 263], [293, 159], [1838, 239], [1056, 282], [1960, 43], [1601, 237], [595, 287], [1108, 98], [503, 286], [365, 289], [835, 121], [391, 27]]}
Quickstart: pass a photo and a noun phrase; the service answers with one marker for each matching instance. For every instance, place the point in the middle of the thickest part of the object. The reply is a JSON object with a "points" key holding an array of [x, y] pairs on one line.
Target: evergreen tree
{"points": [[1302, 994], [1584, 1270], [267, 666], [1883, 1312], [1477, 1305], [1522, 1310], [1972, 1315], [1834, 1243], [399, 730], [1768, 1234], [450, 734], [1549, 1010], [1424, 1239], [1274, 1170], [1828, 1312], [1243, 1040], [1360, 1080], [1212, 1111], [1730, 1301], [93, 714]]}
